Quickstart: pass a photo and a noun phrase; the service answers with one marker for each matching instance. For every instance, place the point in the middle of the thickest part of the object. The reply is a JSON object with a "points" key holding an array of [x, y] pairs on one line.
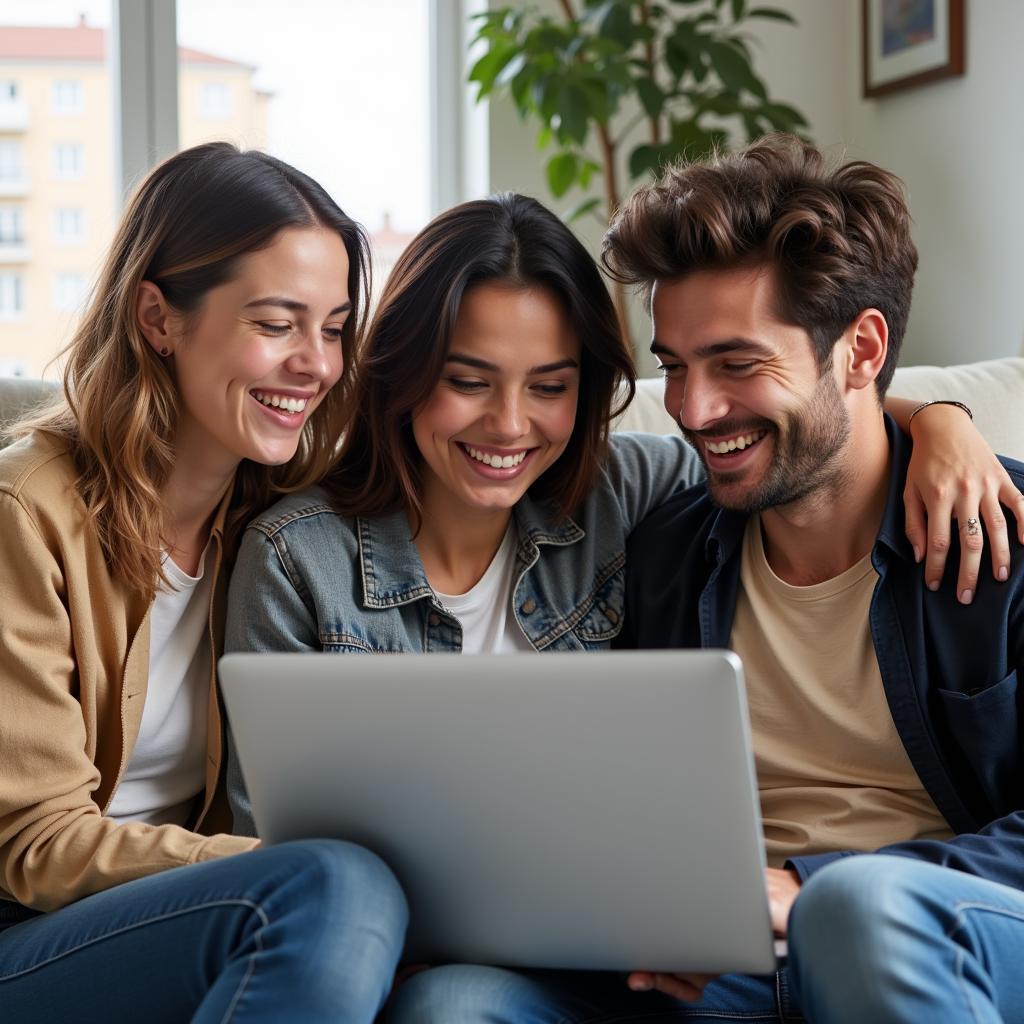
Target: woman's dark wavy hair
{"points": [[187, 228], [838, 237], [507, 239]]}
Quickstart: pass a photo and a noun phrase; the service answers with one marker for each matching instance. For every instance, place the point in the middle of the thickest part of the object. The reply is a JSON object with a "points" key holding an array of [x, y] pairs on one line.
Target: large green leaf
{"points": [[738, 9], [573, 113], [581, 209], [783, 116], [562, 170], [651, 96], [489, 66], [772, 12]]}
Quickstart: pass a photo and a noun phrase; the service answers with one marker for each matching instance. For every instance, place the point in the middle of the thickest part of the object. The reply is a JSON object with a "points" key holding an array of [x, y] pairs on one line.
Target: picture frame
{"points": [[907, 43]]}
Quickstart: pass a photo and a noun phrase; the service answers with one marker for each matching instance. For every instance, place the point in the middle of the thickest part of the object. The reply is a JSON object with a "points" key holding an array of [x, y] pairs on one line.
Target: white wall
{"points": [[956, 143], [958, 146]]}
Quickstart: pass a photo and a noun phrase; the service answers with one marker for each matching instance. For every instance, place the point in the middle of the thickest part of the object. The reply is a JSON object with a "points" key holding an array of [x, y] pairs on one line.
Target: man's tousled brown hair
{"points": [[837, 237]]}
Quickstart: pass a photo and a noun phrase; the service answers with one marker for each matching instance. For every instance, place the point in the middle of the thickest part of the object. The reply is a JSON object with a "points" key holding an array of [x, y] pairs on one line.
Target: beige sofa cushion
{"points": [[993, 389]]}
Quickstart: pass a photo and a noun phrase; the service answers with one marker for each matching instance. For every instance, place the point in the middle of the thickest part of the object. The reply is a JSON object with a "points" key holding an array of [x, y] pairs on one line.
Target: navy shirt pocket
{"points": [[985, 725]]}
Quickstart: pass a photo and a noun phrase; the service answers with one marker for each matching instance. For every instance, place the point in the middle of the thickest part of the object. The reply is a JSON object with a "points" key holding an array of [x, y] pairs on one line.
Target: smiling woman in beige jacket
{"points": [[207, 359]]}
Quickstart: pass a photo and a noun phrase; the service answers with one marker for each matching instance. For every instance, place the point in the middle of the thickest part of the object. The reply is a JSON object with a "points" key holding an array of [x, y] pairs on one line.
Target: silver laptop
{"points": [[594, 811]]}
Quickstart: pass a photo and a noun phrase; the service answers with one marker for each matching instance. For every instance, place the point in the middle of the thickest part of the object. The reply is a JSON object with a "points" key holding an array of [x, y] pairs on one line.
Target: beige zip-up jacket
{"points": [[74, 661]]}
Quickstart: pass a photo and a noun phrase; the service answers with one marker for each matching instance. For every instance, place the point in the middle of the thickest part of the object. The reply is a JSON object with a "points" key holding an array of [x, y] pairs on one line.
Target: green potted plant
{"points": [[589, 74]]}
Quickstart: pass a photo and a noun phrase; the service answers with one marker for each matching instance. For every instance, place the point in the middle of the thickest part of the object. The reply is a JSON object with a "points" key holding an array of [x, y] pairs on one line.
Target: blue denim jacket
{"points": [[308, 579], [950, 672]]}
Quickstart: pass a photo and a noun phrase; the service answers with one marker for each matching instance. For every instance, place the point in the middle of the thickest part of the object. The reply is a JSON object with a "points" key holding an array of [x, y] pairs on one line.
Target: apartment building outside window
{"points": [[66, 98], [68, 160], [69, 225], [12, 296], [12, 225]]}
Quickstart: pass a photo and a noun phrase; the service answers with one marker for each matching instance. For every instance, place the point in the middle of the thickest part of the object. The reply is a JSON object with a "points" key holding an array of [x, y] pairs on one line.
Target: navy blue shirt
{"points": [[950, 672]]}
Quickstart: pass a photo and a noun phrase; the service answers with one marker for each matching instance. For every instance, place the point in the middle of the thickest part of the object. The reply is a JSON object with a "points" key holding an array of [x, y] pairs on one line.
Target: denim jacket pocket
{"points": [[985, 725], [344, 643], [601, 622]]}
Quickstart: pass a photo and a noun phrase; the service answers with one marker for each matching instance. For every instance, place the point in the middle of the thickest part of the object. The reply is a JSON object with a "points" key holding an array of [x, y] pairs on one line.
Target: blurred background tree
{"points": [[592, 73]]}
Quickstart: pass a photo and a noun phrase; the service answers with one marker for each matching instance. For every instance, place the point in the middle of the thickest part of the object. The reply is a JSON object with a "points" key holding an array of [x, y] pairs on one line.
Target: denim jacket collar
{"points": [[393, 573], [727, 529]]}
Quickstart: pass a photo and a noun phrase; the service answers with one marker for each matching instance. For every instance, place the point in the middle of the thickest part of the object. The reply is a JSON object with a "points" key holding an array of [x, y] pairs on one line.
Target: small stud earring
{"points": [[165, 351]]}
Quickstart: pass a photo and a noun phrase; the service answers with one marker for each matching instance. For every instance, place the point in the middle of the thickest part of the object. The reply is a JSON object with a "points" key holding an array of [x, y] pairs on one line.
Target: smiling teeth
{"points": [[741, 442], [495, 461], [281, 402]]}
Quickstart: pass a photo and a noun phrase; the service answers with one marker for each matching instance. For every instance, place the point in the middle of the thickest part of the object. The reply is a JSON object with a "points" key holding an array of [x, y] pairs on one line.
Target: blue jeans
{"points": [[307, 931], [872, 940], [890, 939]]}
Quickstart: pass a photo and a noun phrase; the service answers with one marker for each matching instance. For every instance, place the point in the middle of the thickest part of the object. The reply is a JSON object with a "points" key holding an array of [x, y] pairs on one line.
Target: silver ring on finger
{"points": [[972, 526]]}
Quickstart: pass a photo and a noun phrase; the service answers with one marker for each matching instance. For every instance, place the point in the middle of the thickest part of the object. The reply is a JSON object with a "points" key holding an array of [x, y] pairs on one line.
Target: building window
{"points": [[69, 225], [69, 292], [68, 160], [12, 296], [66, 98], [11, 166], [12, 225], [215, 100], [8, 90]]}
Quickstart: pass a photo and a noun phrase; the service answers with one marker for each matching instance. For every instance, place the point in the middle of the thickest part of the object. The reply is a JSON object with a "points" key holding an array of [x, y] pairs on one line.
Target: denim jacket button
{"points": [[434, 620], [528, 607], [611, 615]]}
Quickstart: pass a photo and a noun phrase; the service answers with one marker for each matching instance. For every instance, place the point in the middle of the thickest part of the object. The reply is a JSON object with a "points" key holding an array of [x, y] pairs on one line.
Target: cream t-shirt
{"points": [[831, 769]]}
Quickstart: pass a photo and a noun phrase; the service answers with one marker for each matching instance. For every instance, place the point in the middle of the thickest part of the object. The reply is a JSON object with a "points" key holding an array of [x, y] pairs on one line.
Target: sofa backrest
{"points": [[18, 397], [994, 390]]}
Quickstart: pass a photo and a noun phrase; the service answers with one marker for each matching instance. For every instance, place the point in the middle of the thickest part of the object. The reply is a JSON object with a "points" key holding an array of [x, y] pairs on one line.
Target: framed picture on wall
{"points": [[910, 42]]}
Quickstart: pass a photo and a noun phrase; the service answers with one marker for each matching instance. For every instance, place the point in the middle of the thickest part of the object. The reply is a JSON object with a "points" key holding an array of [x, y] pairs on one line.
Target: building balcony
{"points": [[13, 116], [14, 188], [14, 252]]}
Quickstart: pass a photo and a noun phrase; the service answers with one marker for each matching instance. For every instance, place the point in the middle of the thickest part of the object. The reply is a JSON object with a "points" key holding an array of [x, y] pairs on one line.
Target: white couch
{"points": [[994, 390]]}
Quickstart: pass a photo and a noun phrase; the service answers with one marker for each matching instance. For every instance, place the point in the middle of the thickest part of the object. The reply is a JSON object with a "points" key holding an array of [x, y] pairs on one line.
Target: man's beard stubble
{"points": [[807, 447]]}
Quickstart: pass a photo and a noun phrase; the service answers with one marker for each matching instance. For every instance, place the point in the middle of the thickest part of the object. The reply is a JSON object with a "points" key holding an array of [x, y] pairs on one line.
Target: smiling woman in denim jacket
{"points": [[479, 503]]}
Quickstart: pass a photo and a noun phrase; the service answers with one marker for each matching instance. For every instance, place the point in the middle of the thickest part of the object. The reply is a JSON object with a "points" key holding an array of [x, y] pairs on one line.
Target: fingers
{"points": [[972, 543], [1013, 500], [998, 536], [916, 522], [687, 987], [938, 547]]}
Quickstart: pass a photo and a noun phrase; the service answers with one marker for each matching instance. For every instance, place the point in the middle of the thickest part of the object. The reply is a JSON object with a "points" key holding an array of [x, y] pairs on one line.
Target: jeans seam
{"points": [[132, 927], [964, 987], [993, 908], [230, 1011]]}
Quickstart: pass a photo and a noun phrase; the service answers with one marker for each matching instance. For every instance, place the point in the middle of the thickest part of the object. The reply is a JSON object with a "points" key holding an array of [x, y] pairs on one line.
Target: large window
{"points": [[340, 90]]}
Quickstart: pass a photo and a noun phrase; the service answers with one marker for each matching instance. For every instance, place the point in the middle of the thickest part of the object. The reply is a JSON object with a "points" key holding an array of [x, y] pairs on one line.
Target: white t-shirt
{"points": [[167, 769], [485, 613]]}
